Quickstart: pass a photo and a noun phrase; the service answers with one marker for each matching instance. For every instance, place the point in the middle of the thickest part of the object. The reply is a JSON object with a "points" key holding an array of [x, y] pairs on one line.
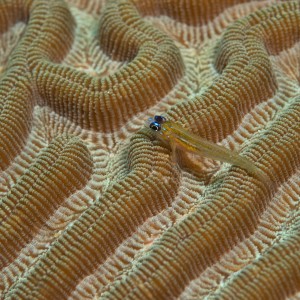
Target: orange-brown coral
{"points": [[92, 206]]}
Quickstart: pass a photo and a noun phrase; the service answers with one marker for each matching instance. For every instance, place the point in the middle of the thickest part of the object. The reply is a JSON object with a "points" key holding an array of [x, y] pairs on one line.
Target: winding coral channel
{"points": [[92, 205]]}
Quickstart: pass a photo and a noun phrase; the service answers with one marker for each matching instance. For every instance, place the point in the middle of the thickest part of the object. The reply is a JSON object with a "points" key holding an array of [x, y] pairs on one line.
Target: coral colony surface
{"points": [[93, 205]]}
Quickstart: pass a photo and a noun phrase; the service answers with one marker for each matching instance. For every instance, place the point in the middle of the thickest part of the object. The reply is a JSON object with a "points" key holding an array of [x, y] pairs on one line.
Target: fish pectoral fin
{"points": [[174, 153]]}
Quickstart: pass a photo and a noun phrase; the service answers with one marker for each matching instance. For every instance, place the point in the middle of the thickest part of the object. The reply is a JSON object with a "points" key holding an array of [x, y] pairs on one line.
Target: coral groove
{"points": [[64, 167], [232, 214], [102, 227], [92, 205], [15, 90], [104, 104], [243, 60]]}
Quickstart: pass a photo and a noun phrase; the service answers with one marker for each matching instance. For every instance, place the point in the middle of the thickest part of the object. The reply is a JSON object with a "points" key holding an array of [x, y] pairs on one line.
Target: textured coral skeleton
{"points": [[91, 204]]}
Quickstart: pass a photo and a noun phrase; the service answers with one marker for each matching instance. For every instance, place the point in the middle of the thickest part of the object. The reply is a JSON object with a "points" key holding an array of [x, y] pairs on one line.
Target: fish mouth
{"points": [[149, 121]]}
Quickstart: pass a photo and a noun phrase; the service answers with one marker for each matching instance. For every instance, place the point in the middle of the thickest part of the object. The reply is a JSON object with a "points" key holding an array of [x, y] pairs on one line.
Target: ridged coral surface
{"points": [[92, 205]]}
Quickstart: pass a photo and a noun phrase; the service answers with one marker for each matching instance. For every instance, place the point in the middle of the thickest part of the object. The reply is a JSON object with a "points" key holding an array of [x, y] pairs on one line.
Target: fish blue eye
{"points": [[155, 126], [160, 119]]}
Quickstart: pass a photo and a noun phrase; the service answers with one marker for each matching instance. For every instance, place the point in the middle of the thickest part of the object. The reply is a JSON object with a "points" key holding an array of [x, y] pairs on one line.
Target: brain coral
{"points": [[92, 205]]}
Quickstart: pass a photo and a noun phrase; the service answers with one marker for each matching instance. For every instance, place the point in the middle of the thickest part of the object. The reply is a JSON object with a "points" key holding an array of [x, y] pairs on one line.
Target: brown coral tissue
{"points": [[93, 205]]}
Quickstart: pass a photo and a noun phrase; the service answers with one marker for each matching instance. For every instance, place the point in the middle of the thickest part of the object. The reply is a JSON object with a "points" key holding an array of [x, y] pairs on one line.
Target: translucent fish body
{"points": [[179, 138]]}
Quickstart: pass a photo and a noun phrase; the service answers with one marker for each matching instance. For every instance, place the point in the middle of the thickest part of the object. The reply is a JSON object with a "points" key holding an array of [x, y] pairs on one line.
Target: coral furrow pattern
{"points": [[243, 60], [64, 167], [93, 205], [215, 227], [102, 227], [16, 91], [104, 104], [194, 13], [283, 274]]}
